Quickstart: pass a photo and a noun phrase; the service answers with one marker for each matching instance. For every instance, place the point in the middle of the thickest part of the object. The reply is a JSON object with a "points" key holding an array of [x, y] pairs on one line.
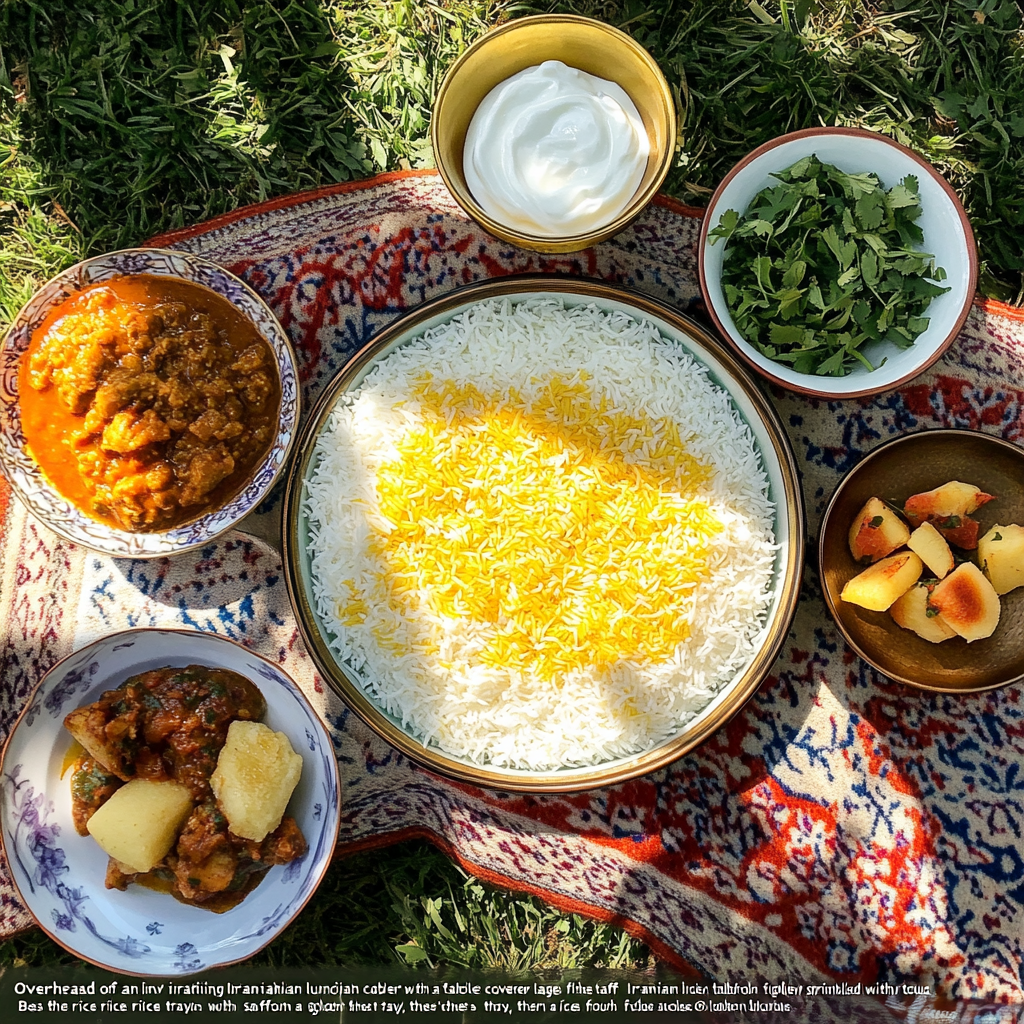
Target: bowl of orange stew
{"points": [[148, 402]]}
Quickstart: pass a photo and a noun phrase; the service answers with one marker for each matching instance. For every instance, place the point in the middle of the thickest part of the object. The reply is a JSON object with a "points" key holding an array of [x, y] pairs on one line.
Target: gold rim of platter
{"points": [[565, 780]]}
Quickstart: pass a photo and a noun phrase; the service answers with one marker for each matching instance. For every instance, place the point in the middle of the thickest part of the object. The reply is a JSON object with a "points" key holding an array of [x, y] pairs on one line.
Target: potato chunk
{"points": [[255, 775], [947, 508], [139, 824], [967, 602], [950, 500], [1001, 553], [927, 542], [911, 612], [881, 584], [876, 532]]}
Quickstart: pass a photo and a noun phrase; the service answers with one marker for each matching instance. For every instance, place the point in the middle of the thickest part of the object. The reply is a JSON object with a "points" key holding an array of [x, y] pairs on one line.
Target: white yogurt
{"points": [[555, 151]]}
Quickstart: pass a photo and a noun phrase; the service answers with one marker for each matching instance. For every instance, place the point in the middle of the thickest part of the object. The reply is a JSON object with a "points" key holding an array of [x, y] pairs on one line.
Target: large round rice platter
{"points": [[540, 536]]}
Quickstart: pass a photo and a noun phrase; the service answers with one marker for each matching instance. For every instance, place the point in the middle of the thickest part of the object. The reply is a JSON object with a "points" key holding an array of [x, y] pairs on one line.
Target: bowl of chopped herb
{"points": [[837, 262]]}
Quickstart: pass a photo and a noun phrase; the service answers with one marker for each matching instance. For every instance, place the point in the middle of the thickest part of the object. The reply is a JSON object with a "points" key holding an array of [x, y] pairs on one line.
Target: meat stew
{"points": [[170, 724], [148, 401]]}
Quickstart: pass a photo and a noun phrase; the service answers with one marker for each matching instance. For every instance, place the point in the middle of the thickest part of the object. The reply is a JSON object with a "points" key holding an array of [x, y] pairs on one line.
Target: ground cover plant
{"points": [[410, 905], [123, 118]]}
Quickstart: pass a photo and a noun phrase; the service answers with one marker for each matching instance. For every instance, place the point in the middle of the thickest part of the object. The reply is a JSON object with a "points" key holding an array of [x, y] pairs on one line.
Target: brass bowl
{"points": [[725, 370], [894, 471], [582, 43]]}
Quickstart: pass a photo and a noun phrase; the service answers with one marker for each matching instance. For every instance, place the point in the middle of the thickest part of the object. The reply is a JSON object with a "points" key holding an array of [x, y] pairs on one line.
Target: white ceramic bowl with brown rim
{"points": [[947, 235]]}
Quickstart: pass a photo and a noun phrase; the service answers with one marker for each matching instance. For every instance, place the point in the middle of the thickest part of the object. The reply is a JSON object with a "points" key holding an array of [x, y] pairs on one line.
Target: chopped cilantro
{"points": [[824, 263], [875, 523]]}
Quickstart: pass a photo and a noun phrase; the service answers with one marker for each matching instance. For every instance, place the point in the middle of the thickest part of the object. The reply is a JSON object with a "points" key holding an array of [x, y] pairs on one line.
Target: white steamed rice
{"points": [[493, 715]]}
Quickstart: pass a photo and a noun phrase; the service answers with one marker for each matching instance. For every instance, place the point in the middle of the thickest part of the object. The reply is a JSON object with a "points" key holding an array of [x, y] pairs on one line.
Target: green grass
{"points": [[170, 113], [414, 907], [410, 906], [123, 118], [944, 78]]}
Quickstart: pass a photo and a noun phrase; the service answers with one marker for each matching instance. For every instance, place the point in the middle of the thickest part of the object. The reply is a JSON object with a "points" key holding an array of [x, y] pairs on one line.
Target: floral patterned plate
{"points": [[59, 874], [26, 479]]}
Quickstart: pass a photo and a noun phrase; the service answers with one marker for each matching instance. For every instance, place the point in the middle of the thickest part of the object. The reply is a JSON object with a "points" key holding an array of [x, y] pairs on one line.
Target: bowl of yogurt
{"points": [[553, 132]]}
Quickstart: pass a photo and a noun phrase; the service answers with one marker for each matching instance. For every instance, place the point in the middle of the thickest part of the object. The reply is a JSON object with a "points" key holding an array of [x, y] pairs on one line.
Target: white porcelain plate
{"points": [[59, 874]]}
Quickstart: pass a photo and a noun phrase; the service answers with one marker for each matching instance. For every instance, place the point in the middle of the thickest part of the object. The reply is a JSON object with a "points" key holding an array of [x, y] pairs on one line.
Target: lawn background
{"points": [[120, 119]]}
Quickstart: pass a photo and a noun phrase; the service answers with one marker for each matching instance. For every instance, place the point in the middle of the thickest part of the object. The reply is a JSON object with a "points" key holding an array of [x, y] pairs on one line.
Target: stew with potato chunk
{"points": [[148, 400], [170, 724]]}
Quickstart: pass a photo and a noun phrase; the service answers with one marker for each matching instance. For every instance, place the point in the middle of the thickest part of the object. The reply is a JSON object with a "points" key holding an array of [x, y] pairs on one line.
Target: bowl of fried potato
{"points": [[921, 554], [170, 802]]}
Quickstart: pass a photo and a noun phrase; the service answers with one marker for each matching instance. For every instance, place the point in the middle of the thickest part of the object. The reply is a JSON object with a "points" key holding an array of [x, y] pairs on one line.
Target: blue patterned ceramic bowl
{"points": [[59, 874], [24, 475]]}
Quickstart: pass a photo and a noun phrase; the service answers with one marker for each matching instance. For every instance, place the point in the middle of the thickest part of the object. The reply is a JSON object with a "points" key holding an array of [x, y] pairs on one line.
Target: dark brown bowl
{"points": [[894, 471]]}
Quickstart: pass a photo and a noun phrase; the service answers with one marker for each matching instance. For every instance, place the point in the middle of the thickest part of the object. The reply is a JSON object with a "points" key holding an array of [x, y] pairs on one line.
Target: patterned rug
{"points": [[840, 827]]}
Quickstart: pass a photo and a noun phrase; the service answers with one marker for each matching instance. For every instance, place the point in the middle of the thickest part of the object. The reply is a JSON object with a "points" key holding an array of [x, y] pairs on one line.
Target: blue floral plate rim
{"points": [[58, 875]]}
